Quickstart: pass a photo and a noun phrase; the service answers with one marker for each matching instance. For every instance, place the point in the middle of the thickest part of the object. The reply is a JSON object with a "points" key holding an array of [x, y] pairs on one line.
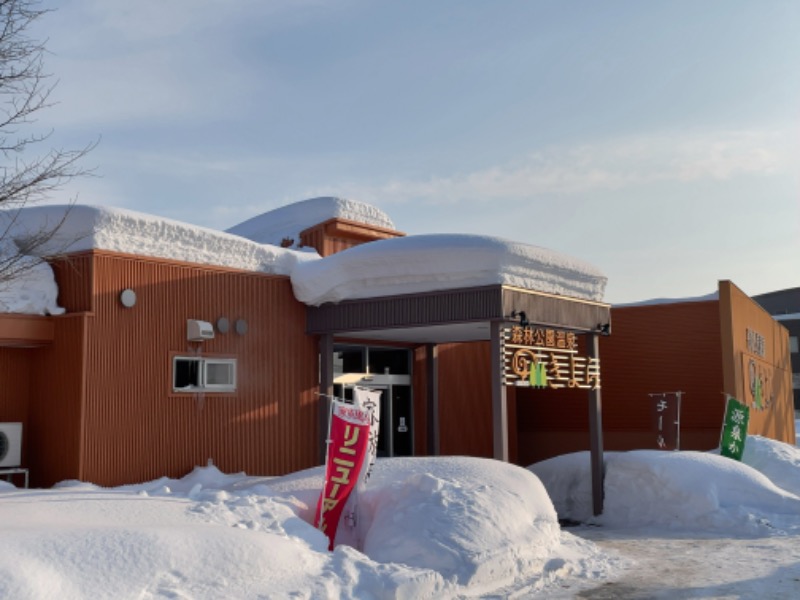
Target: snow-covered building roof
{"points": [[396, 266], [286, 222], [423, 263], [82, 227]]}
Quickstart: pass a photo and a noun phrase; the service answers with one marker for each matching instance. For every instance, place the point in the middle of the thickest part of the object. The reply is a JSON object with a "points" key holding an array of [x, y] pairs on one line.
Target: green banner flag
{"points": [[734, 429]]}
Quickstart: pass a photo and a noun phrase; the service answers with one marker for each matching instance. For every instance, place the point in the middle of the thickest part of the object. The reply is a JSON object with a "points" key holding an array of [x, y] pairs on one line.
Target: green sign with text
{"points": [[734, 429]]}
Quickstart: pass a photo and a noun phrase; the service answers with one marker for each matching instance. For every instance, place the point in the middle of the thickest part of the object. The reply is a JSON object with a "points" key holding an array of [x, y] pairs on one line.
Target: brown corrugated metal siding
{"points": [[134, 427], [774, 416], [335, 235], [15, 378], [652, 349]]}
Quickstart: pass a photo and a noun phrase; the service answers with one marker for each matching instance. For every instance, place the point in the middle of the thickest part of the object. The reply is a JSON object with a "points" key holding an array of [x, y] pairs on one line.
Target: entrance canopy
{"points": [[460, 315]]}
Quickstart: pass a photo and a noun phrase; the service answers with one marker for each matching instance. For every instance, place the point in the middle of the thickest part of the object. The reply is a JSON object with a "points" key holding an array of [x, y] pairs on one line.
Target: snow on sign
{"points": [[536, 357], [734, 429]]}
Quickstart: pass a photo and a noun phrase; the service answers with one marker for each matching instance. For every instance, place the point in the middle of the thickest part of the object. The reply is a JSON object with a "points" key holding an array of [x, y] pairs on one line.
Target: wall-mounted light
{"points": [[127, 298], [241, 326], [604, 329], [523, 318]]}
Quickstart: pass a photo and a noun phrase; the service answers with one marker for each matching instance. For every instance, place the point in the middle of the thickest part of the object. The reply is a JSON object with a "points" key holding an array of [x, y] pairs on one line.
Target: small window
{"points": [[198, 373], [793, 344]]}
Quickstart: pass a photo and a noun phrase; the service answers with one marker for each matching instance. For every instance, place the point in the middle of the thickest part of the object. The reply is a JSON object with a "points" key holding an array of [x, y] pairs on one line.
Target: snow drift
{"points": [[436, 528], [679, 490]]}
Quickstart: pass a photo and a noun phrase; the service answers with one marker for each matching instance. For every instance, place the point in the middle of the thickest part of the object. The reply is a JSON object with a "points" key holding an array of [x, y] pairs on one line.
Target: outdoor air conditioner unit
{"points": [[197, 331], [10, 444]]}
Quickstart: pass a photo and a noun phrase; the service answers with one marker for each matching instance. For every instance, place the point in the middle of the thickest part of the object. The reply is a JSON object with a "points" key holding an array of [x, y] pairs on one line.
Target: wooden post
{"points": [[596, 432], [499, 405], [432, 372]]}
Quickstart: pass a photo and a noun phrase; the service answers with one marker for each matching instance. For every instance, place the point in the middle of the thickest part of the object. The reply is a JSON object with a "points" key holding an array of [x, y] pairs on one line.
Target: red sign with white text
{"points": [[347, 449]]}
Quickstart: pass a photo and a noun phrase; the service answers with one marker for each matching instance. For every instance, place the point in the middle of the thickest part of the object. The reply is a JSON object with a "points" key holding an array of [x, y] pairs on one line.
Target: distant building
{"points": [[784, 305]]}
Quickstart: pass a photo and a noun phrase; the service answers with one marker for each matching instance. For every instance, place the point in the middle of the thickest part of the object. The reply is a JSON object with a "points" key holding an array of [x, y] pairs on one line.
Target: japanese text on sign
{"points": [[666, 409], [734, 429], [548, 358], [755, 343], [349, 433]]}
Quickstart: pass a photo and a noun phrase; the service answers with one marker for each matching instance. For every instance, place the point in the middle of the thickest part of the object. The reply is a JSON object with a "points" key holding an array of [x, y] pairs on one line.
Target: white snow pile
{"points": [[83, 227], [286, 222], [422, 263], [435, 528], [682, 490], [33, 290]]}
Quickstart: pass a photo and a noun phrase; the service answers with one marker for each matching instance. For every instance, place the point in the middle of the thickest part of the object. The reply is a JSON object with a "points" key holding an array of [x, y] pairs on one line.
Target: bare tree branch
{"points": [[25, 90]]}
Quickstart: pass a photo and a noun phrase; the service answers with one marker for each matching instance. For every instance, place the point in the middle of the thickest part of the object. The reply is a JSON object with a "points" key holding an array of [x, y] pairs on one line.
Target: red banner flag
{"points": [[347, 448]]}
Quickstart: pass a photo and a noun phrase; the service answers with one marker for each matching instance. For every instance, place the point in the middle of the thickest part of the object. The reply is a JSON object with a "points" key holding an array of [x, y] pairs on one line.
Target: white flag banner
{"points": [[370, 401]]}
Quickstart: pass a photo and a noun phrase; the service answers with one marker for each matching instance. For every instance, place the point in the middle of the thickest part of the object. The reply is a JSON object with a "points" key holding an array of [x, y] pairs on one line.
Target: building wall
{"points": [[58, 382], [465, 402], [133, 427], [15, 379], [652, 349], [786, 302], [756, 347], [335, 235]]}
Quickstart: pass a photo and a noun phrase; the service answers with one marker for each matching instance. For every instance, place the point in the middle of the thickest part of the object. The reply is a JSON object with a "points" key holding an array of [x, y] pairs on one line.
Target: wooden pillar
{"points": [[499, 404], [326, 391], [432, 400], [596, 432]]}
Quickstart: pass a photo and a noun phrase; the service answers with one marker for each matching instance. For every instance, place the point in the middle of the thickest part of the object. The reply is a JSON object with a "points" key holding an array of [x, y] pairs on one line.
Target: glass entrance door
{"points": [[395, 434], [389, 371]]}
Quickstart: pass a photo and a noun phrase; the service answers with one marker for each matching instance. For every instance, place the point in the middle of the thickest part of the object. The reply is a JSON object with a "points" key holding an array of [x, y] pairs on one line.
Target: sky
{"points": [[656, 140]]}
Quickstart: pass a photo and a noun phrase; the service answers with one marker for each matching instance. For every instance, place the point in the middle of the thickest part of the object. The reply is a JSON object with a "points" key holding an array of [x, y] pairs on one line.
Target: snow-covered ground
{"points": [[676, 525]]}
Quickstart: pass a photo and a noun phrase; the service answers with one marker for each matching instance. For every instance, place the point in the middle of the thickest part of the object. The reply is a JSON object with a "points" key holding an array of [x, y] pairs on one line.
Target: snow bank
{"points": [[777, 460], [288, 221], [435, 528], [33, 290], [476, 523], [90, 227], [674, 490], [424, 263]]}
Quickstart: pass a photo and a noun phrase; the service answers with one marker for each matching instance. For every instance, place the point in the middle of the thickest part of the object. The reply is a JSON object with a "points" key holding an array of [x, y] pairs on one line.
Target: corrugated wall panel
{"points": [[652, 349], [56, 407], [75, 279], [465, 399], [137, 429], [15, 378], [739, 314]]}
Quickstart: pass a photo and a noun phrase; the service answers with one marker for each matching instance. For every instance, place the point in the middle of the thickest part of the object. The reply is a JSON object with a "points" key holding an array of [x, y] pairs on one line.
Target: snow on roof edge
{"points": [[87, 227]]}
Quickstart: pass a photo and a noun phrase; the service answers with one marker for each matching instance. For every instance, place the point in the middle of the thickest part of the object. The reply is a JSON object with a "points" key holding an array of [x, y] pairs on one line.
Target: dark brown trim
{"points": [[487, 303]]}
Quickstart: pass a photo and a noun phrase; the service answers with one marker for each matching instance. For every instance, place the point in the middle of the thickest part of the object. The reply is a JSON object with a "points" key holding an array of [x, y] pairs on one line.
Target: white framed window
{"points": [[793, 346], [203, 374]]}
